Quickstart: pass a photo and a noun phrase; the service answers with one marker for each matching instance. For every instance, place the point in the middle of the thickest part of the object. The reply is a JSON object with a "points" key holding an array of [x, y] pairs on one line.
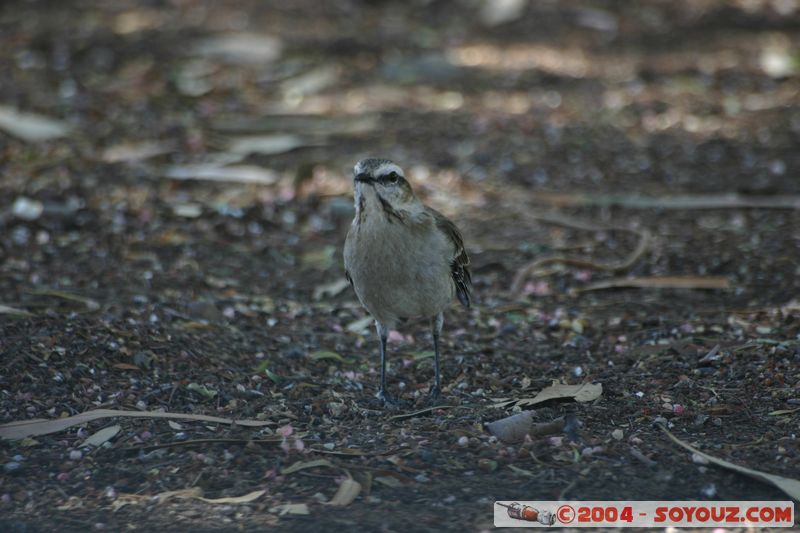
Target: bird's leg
{"points": [[383, 333], [437, 323]]}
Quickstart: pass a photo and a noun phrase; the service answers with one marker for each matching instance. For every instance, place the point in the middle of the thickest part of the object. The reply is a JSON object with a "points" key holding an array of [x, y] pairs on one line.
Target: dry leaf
{"points": [[37, 426], [215, 172], [194, 492], [29, 126], [330, 289], [787, 485], [125, 366], [359, 325], [8, 310], [241, 48], [72, 503], [389, 481], [102, 436], [302, 465], [265, 144], [661, 282], [247, 498], [127, 152], [348, 491], [585, 392], [679, 202], [293, 508]]}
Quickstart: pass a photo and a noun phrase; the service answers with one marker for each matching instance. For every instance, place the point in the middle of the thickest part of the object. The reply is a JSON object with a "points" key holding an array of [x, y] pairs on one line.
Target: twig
{"points": [[641, 247], [403, 416], [660, 282], [202, 441], [642, 457], [678, 202]]}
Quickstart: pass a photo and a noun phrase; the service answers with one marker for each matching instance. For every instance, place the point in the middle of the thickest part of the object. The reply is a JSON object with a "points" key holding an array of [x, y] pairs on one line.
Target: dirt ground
{"points": [[605, 136]]}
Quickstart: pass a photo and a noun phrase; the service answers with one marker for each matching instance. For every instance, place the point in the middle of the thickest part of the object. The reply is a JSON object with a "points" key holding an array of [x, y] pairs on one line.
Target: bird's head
{"points": [[380, 181]]}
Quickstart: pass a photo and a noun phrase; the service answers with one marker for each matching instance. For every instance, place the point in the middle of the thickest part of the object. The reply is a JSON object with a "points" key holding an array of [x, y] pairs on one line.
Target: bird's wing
{"points": [[459, 262]]}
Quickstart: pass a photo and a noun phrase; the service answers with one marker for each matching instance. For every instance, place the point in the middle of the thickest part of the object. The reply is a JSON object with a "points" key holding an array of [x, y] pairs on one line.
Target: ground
{"points": [[568, 129]]}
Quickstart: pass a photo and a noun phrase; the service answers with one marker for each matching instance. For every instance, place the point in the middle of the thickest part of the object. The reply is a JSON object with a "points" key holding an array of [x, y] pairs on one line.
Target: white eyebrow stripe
{"points": [[387, 168]]}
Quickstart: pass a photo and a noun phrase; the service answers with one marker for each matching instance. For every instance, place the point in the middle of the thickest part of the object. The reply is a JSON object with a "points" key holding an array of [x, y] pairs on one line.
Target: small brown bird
{"points": [[403, 258]]}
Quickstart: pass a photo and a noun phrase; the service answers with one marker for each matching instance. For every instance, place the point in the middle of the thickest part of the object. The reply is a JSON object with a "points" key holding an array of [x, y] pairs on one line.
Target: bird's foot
{"points": [[434, 394], [390, 402]]}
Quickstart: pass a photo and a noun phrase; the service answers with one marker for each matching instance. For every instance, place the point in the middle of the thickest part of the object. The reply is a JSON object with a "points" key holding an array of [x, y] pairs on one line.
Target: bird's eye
{"points": [[393, 177]]}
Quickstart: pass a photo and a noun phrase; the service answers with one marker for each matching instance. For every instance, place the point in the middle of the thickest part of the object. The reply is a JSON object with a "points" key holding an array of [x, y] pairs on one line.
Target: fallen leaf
{"points": [[125, 366], [164, 497], [585, 392], [781, 412], [214, 172], [265, 144], [679, 202], [331, 289], [358, 326], [202, 390], [321, 258], [72, 503], [101, 437], [787, 485], [247, 498], [496, 12], [302, 465], [293, 508], [90, 304], [521, 471], [128, 152], [661, 282], [8, 310], [389, 481], [241, 48], [37, 426], [30, 126], [348, 491], [311, 82]]}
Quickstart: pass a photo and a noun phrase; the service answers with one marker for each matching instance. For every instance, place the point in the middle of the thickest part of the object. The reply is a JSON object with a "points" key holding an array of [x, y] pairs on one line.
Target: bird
{"points": [[403, 259]]}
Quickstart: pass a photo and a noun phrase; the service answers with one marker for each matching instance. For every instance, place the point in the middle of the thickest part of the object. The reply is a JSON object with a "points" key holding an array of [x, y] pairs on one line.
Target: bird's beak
{"points": [[364, 178]]}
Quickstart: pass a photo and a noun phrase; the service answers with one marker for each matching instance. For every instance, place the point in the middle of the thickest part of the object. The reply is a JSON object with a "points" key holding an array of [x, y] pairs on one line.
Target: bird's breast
{"points": [[398, 270]]}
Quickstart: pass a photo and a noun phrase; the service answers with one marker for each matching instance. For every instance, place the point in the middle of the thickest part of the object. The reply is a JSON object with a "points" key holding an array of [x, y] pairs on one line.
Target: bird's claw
{"points": [[390, 402], [434, 393]]}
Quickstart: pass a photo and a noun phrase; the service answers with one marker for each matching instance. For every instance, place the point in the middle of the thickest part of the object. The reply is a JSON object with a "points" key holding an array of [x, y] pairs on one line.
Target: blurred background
{"points": [[228, 112], [175, 188]]}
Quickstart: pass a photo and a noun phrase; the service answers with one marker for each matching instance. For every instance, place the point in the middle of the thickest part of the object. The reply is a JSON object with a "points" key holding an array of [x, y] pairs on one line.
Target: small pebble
{"points": [[75, 455], [463, 441], [11, 467], [699, 459], [709, 491]]}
